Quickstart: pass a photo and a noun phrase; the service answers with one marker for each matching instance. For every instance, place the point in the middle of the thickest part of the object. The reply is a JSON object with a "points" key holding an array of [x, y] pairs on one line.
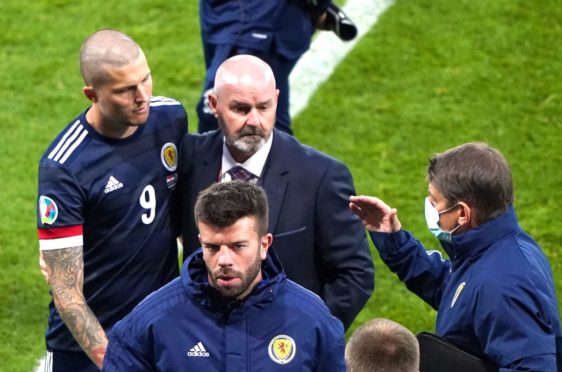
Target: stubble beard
{"points": [[138, 120], [247, 278]]}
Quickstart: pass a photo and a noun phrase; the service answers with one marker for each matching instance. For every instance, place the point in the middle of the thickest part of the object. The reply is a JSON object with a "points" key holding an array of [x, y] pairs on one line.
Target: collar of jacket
{"points": [[471, 244], [194, 280]]}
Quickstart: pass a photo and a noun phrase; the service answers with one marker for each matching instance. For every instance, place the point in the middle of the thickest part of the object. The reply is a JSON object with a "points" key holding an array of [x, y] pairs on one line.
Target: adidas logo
{"points": [[198, 351], [112, 185]]}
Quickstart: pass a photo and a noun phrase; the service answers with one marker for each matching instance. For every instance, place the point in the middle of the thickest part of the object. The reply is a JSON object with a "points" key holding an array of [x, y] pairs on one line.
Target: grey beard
{"points": [[245, 144]]}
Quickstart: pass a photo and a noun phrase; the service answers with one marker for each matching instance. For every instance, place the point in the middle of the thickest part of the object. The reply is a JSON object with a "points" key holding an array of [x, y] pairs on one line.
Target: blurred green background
{"points": [[429, 76]]}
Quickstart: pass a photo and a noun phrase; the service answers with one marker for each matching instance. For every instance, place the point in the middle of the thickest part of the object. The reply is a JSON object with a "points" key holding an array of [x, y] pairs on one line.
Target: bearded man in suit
{"points": [[321, 244]]}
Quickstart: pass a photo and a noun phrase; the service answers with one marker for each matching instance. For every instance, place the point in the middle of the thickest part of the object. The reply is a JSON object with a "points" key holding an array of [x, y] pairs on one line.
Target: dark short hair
{"points": [[222, 204], [476, 174], [382, 345]]}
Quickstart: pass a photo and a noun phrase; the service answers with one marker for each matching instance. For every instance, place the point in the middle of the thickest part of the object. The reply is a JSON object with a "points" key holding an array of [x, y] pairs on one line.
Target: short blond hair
{"points": [[381, 345], [106, 48]]}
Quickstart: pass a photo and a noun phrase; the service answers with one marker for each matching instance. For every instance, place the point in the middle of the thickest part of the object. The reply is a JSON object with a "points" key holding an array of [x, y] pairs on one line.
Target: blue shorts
{"points": [[63, 361]]}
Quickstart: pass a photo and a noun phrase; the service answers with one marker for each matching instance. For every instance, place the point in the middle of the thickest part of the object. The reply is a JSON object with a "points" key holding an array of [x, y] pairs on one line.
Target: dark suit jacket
{"points": [[320, 242]]}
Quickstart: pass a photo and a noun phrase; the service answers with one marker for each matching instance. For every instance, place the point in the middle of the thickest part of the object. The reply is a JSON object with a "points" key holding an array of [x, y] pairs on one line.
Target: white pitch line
{"points": [[318, 63], [327, 51], [40, 367]]}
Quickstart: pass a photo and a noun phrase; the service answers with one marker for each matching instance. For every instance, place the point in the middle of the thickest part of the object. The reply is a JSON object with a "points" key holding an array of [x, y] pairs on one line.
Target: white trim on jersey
{"points": [[74, 146], [61, 243], [63, 139], [163, 101], [68, 143]]}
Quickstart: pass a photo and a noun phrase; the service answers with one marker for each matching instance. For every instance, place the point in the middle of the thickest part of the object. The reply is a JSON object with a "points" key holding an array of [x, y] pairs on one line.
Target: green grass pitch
{"points": [[430, 75]]}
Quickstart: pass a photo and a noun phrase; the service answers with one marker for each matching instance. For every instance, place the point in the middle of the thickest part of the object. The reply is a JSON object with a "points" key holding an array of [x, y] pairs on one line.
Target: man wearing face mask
{"points": [[495, 294]]}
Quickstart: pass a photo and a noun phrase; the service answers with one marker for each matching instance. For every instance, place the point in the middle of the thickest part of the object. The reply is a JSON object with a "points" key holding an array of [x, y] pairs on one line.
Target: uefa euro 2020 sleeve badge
{"points": [[48, 209], [282, 349]]}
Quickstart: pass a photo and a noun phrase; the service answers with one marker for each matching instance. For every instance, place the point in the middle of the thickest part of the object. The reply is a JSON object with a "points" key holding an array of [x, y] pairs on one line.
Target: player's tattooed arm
{"points": [[65, 268]]}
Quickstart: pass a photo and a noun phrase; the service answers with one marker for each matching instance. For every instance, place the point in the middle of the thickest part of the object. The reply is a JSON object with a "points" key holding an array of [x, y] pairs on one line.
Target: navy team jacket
{"points": [[495, 296], [188, 326], [285, 26]]}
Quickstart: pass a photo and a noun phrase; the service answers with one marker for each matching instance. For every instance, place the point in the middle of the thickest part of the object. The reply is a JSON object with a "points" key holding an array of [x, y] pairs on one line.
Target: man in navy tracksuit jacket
{"points": [[495, 296], [232, 309]]}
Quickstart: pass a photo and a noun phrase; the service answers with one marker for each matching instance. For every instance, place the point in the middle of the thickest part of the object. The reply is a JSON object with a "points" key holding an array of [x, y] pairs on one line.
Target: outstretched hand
{"points": [[375, 214]]}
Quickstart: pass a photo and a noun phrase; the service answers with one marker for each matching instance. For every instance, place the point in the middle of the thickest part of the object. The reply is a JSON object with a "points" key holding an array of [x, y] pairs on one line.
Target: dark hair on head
{"points": [[476, 174], [222, 204]]}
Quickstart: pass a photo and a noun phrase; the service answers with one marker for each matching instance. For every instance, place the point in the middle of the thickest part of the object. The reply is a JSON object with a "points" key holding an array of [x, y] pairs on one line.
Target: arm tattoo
{"points": [[66, 278]]}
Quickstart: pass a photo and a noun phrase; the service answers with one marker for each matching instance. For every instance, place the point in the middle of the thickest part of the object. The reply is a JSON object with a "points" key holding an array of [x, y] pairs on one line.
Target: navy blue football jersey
{"points": [[115, 198]]}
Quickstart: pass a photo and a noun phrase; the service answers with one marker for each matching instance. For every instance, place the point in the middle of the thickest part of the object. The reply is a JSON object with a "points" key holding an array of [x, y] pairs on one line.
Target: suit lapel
{"points": [[276, 178], [205, 158], [208, 165]]}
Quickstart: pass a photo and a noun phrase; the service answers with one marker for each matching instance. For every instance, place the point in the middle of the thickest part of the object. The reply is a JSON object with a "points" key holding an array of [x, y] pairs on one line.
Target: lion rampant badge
{"points": [[169, 156], [282, 349]]}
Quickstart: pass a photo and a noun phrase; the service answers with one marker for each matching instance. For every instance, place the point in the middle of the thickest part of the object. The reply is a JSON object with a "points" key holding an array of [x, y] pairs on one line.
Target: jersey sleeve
{"points": [[59, 208]]}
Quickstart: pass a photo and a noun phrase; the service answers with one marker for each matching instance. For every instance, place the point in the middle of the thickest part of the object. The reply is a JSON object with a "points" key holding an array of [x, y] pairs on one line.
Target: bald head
{"points": [[244, 102], [243, 72], [106, 48]]}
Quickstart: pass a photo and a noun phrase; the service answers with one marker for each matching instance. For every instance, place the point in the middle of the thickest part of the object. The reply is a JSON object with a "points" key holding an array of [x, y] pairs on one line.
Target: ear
{"points": [[466, 215], [265, 243], [213, 103], [90, 93]]}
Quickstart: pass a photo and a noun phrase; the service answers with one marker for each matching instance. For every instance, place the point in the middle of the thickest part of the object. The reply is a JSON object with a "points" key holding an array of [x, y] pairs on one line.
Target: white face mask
{"points": [[432, 220]]}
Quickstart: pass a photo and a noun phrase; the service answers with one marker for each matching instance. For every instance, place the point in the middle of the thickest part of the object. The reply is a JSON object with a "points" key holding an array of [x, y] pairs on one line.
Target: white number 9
{"points": [[148, 201]]}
